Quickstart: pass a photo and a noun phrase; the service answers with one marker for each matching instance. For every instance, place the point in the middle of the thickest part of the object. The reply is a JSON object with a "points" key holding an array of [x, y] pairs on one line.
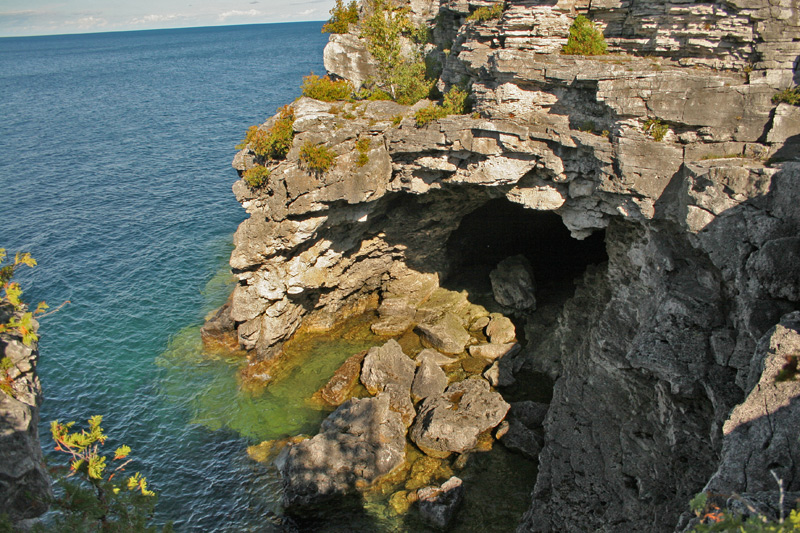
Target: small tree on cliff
{"points": [[585, 39], [91, 499]]}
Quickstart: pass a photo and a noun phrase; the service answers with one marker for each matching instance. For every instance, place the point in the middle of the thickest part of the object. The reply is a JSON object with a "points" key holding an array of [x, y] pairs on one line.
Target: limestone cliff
{"points": [[684, 250], [24, 482]]}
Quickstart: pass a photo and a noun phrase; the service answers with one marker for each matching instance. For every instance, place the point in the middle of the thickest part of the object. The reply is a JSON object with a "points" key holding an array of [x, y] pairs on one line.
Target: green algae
{"points": [[210, 387]]}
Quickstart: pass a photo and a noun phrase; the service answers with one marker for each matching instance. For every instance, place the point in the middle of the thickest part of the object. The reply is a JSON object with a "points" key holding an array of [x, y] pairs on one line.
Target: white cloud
{"points": [[149, 19], [307, 12], [237, 13], [23, 13], [90, 22]]}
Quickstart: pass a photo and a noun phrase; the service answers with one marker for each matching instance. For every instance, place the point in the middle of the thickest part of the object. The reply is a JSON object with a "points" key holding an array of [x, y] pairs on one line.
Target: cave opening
{"points": [[500, 229]]}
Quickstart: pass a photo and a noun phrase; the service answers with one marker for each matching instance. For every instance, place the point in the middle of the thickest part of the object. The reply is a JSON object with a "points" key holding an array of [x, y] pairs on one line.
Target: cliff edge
{"points": [[25, 489], [654, 190]]}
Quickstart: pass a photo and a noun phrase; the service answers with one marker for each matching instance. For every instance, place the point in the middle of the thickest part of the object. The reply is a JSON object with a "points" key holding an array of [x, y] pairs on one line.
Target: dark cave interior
{"points": [[500, 229]]}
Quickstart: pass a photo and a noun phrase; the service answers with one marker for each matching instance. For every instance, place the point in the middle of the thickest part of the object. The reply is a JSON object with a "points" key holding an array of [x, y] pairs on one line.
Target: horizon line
{"points": [[154, 29]]}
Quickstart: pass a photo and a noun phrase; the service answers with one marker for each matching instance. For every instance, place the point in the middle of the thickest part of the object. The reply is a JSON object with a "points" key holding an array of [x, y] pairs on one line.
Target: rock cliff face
{"points": [[24, 482], [658, 264]]}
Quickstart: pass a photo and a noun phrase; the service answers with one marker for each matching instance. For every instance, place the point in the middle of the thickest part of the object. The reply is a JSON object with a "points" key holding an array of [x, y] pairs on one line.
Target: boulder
{"points": [[520, 438], [396, 316], [438, 505], [387, 364], [339, 387], [436, 356], [452, 421], [446, 334], [493, 351], [529, 413], [358, 443], [430, 379], [500, 329], [387, 368], [513, 284]]}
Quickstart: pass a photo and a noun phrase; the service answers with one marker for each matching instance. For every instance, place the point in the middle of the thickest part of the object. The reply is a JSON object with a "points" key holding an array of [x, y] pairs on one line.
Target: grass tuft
{"points": [[316, 158]]}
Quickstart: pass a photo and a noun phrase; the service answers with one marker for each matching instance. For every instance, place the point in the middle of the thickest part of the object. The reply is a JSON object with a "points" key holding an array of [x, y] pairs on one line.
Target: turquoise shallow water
{"points": [[115, 174]]}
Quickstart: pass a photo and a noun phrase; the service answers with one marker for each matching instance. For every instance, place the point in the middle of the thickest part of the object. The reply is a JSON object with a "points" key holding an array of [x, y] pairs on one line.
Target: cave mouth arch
{"points": [[500, 229]]}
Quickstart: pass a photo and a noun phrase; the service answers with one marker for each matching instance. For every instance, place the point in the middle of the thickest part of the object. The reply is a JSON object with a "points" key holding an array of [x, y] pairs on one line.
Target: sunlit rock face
{"points": [[658, 264]]}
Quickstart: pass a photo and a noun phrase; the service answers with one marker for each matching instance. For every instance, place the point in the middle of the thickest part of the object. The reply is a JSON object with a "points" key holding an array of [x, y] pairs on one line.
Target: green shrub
{"points": [[362, 145], [21, 321], [656, 129], [256, 177], [326, 89], [429, 114], [372, 94], [406, 79], [341, 17], [275, 142], [456, 102], [585, 39], [790, 95], [411, 82], [485, 13], [316, 158]]}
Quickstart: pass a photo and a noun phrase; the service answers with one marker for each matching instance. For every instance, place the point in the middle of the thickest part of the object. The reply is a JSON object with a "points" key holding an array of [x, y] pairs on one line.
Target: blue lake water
{"points": [[115, 174]]}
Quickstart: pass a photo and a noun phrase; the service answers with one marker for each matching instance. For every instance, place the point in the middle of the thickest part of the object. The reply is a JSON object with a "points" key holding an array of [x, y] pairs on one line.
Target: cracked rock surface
{"points": [[649, 349]]}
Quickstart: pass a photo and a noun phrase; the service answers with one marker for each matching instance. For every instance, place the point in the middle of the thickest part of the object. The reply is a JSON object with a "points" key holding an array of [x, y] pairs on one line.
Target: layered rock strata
{"points": [[658, 343]]}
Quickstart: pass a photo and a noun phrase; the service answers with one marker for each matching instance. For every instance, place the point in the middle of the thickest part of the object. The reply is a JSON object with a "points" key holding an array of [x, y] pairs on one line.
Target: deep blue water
{"points": [[115, 174]]}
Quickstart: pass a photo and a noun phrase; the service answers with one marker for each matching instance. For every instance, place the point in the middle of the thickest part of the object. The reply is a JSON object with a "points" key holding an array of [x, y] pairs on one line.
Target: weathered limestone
{"points": [[388, 369], [447, 334], [24, 483], [339, 387], [430, 379], [767, 421], [452, 421], [654, 348], [358, 443]]}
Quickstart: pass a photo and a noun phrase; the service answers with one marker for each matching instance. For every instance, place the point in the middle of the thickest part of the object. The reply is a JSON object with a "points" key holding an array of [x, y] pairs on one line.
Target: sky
{"points": [[49, 17]]}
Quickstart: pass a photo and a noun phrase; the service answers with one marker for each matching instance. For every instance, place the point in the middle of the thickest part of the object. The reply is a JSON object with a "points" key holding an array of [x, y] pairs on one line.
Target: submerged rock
{"points": [[219, 330], [452, 421], [438, 505], [340, 386], [358, 443]]}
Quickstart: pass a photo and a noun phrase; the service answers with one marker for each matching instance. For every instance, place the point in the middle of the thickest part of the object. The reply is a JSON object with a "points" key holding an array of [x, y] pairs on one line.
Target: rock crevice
{"points": [[653, 342]]}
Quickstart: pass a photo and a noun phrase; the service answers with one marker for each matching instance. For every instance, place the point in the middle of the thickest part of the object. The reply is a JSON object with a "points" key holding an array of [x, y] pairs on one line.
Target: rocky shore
{"points": [[24, 482], [663, 269]]}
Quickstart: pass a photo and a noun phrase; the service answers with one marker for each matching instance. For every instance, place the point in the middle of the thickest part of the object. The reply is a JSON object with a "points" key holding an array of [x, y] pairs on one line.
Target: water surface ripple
{"points": [[115, 174]]}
